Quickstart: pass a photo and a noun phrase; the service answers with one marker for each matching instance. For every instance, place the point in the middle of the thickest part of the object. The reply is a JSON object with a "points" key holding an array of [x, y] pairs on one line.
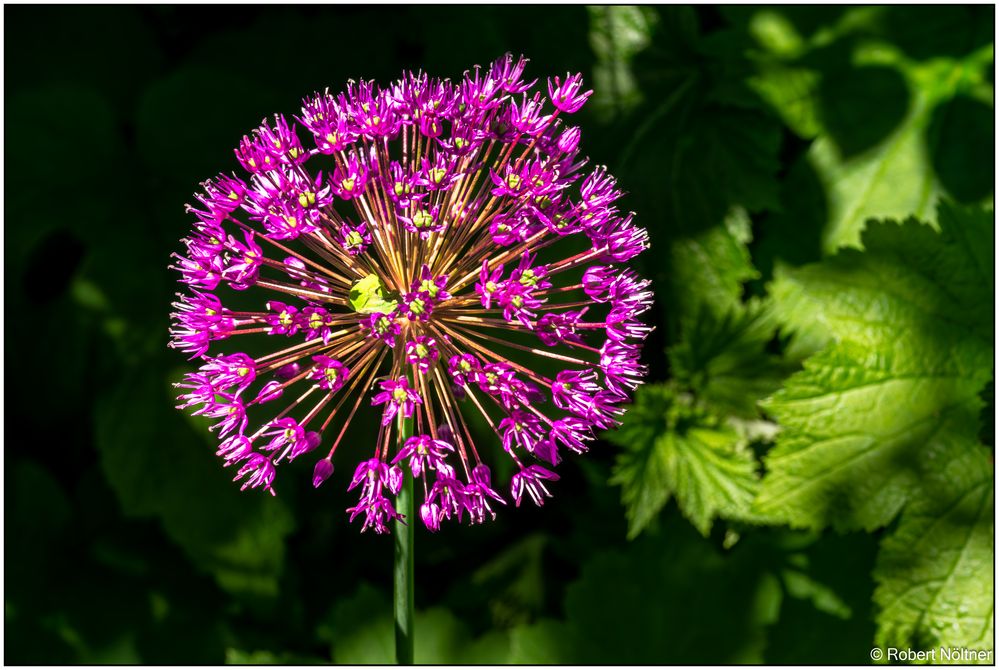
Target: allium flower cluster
{"points": [[402, 248]]}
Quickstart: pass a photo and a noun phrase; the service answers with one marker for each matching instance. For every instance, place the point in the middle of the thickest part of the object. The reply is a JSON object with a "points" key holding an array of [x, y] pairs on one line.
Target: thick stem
{"points": [[404, 583]]}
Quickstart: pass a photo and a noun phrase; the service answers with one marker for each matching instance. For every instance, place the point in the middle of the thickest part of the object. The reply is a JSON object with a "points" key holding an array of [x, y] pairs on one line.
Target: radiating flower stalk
{"points": [[435, 249]]}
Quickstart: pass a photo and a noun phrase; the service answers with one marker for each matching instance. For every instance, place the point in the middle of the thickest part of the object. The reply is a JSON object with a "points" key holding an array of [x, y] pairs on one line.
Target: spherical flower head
{"points": [[386, 246]]}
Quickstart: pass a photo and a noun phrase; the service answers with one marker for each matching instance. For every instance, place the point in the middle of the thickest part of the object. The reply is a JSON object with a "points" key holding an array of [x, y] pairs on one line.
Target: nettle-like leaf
{"points": [[935, 572], [697, 140], [893, 128], [875, 422], [672, 449], [910, 318], [724, 358], [708, 269], [689, 439]]}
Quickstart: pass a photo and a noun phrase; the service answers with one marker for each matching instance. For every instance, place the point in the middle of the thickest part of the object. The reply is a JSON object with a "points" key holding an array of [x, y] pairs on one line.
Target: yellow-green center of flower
{"points": [[423, 219], [399, 395], [429, 287], [354, 239]]}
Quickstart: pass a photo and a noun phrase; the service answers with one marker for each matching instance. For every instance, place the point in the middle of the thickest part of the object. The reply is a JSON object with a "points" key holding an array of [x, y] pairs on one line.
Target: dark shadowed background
{"points": [[736, 131]]}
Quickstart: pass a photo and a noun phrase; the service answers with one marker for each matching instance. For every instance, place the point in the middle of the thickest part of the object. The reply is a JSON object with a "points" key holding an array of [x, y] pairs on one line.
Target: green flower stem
{"points": [[404, 584]]}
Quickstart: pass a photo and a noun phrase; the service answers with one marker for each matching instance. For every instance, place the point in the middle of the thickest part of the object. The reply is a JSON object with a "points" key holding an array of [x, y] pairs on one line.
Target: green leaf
{"points": [[617, 34], [546, 642], [656, 602], [898, 388], [708, 269], [790, 89], [935, 571], [672, 449], [893, 134], [155, 464], [701, 142], [367, 296], [724, 360], [515, 578], [361, 632], [827, 606]]}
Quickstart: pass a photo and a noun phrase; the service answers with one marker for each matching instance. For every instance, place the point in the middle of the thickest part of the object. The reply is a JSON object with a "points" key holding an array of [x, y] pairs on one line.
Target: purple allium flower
{"points": [[404, 245]]}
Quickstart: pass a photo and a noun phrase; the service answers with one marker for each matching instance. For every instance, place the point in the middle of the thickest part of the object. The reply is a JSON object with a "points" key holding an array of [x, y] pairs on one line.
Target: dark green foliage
{"points": [[808, 474]]}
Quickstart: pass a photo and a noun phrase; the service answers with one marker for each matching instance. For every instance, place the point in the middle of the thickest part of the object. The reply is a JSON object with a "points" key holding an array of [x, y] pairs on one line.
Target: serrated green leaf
{"points": [[701, 142], [724, 361], [912, 348], [935, 571], [673, 450], [708, 270]]}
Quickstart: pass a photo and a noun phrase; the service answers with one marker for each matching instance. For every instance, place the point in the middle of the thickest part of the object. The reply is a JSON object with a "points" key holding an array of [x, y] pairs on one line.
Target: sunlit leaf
{"points": [[671, 449], [935, 571]]}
